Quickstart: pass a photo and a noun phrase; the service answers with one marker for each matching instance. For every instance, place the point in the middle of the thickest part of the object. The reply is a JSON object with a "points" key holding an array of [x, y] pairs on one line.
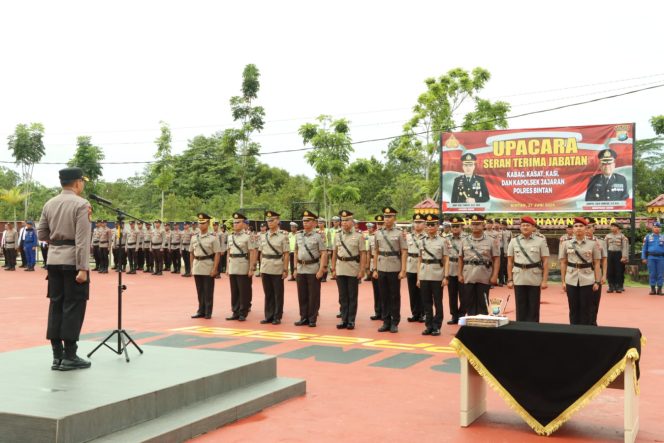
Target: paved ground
{"points": [[362, 385]]}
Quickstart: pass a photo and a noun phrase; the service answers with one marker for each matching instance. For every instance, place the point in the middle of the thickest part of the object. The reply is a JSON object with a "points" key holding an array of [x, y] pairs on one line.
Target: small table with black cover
{"points": [[547, 372]]}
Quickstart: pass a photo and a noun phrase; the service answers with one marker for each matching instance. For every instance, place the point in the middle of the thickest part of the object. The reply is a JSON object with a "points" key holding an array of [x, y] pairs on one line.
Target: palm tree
{"points": [[13, 197]]}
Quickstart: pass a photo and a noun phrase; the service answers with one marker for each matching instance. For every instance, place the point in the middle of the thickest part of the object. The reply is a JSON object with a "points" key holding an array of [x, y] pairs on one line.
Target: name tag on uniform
{"points": [[618, 187]]}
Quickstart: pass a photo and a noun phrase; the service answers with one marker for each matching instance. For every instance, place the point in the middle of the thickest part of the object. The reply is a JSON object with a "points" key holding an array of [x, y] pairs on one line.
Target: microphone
{"points": [[100, 199]]}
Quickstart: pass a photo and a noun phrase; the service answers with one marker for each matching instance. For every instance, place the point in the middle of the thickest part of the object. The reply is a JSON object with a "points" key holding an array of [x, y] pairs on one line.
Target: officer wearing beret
{"points": [[618, 254], [274, 251], [204, 253], [311, 253], [469, 188], [241, 267], [527, 270], [65, 224], [609, 185], [454, 287], [414, 240]]}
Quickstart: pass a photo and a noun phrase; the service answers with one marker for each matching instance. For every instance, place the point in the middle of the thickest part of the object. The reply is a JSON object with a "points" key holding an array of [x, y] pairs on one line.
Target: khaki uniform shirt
{"points": [[279, 241], [185, 239], [132, 238], [506, 237], [536, 248], [566, 237], [356, 244], [239, 244], [438, 247], [147, 239], [95, 236], [166, 245], [454, 245], [589, 250], [105, 237], [65, 217], [201, 246], [157, 239], [617, 242], [486, 248], [385, 238], [223, 241], [316, 244], [372, 250], [174, 240], [414, 242], [10, 239]]}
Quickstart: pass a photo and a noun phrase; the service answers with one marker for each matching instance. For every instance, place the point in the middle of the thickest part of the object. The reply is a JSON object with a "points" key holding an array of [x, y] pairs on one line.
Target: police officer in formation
{"points": [[390, 268], [158, 240], [414, 240], [652, 255], [311, 253], [618, 255], [185, 239], [608, 185], [204, 251], [241, 267], [373, 229], [597, 294], [223, 241], [274, 250], [580, 271], [292, 236], [430, 276], [468, 187], [454, 292], [479, 261], [348, 266], [527, 270], [10, 245], [147, 248], [104, 243], [95, 246]]}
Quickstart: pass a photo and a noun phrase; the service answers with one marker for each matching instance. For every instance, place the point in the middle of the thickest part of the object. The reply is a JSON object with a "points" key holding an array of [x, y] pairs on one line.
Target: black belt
{"points": [[156, 244], [529, 266], [655, 254], [355, 258], [131, 244], [175, 244], [272, 256], [204, 257], [477, 263], [412, 254], [430, 261], [185, 244], [10, 243], [454, 259], [308, 262], [389, 254], [100, 243], [580, 265], [239, 255]]}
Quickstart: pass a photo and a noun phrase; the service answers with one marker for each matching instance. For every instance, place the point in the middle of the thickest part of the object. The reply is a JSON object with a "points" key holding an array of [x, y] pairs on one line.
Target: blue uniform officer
{"points": [[30, 245], [652, 254]]}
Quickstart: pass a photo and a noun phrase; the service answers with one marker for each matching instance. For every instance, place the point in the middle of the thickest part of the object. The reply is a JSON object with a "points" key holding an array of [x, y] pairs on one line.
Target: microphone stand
{"points": [[122, 344]]}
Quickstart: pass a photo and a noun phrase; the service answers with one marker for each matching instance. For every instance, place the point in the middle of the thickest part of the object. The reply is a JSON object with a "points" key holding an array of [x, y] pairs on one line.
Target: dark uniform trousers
{"points": [[580, 301], [240, 294], [175, 260], [615, 270], [502, 271], [158, 256], [432, 302], [348, 288], [68, 301], [10, 258], [474, 298], [24, 260], [187, 264], [103, 258], [140, 259], [273, 286], [308, 296], [222, 263], [453, 292], [166, 255], [595, 299], [131, 255], [414, 295], [116, 257], [97, 257], [149, 265], [390, 294], [205, 291], [378, 301], [44, 251], [291, 259], [527, 302]]}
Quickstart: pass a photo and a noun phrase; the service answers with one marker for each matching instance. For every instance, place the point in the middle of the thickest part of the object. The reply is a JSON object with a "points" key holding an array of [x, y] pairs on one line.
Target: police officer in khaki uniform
{"points": [[241, 267], [140, 254], [204, 257], [132, 245], [527, 270], [580, 270], [166, 247], [147, 248], [431, 264], [174, 244], [223, 241], [414, 240], [373, 229], [390, 268], [104, 243], [618, 255], [479, 260], [597, 294], [10, 242], [311, 253], [454, 288], [95, 246], [568, 235], [157, 242], [505, 238], [292, 237], [65, 224], [274, 249], [348, 266], [185, 241]]}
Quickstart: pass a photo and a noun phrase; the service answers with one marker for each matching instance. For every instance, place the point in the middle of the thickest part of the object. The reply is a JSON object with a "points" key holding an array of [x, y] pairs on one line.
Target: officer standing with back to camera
{"points": [[65, 224], [652, 255]]}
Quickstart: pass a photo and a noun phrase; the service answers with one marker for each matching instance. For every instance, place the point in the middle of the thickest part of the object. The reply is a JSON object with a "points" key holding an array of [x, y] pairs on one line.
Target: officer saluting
{"points": [[469, 188], [607, 186], [65, 224], [204, 256]]}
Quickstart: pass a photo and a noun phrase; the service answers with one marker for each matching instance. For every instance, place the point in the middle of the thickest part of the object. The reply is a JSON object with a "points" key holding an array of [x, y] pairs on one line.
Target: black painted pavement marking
{"points": [[402, 360], [330, 354], [186, 341]]}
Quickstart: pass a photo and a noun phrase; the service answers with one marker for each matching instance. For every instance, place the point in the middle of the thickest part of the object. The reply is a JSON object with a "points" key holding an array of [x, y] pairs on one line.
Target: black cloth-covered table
{"points": [[547, 372]]}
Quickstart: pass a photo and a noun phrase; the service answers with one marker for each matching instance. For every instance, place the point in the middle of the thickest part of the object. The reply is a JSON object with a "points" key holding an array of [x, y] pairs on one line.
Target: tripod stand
{"points": [[122, 344]]}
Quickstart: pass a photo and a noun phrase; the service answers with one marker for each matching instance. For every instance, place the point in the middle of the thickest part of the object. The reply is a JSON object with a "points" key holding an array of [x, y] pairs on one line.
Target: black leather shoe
{"points": [[374, 317], [413, 319], [208, 317], [618, 291], [427, 331], [266, 321], [384, 328], [242, 318], [421, 320], [76, 362], [342, 325], [394, 329], [312, 324], [131, 272], [435, 332], [198, 315], [339, 315], [301, 322], [232, 317], [350, 326], [454, 321], [276, 322], [610, 290], [56, 364]]}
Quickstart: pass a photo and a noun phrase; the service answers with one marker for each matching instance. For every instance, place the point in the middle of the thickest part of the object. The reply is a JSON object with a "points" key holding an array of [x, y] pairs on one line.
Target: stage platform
{"points": [[165, 394]]}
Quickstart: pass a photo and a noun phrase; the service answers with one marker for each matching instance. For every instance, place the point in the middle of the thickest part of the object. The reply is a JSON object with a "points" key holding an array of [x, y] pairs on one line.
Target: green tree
{"points": [[163, 169], [436, 108], [27, 146], [252, 120], [88, 158], [331, 151], [657, 123], [13, 198]]}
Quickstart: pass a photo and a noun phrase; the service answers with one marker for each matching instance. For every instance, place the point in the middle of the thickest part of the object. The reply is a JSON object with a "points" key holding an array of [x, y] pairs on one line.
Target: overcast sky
{"points": [[113, 70]]}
